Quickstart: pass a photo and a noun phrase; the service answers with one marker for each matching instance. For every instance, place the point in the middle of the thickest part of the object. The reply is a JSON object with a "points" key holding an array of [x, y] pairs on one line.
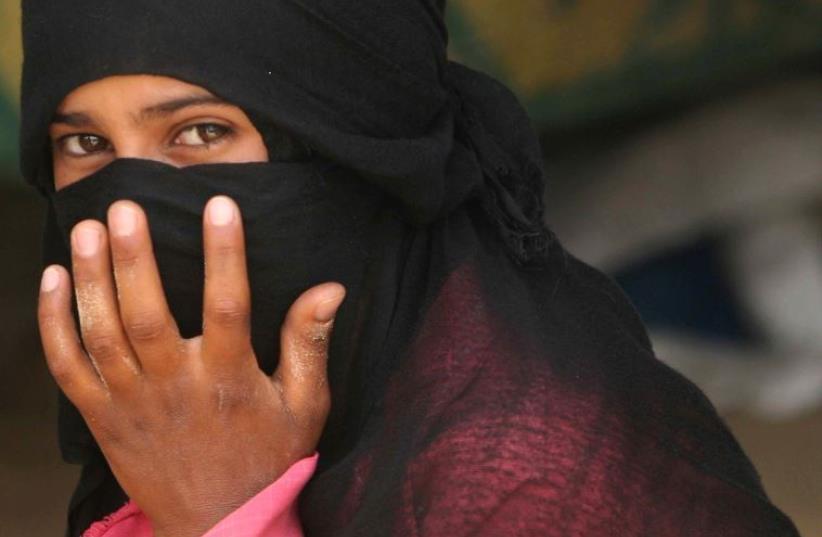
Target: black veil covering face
{"points": [[484, 381]]}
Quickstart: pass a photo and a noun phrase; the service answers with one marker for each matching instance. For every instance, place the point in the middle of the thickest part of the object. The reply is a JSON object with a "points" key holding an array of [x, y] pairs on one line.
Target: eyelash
{"points": [[226, 133], [64, 141]]}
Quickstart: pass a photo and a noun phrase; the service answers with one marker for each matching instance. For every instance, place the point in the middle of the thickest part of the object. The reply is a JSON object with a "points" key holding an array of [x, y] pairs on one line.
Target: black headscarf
{"points": [[484, 381]]}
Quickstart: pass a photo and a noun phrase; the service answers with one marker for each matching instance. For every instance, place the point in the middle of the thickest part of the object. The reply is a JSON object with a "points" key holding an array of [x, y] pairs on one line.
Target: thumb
{"points": [[304, 341]]}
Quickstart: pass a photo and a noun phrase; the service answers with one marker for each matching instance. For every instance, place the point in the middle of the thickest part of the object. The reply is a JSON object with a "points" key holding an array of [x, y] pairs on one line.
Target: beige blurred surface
{"points": [[788, 455], [35, 484]]}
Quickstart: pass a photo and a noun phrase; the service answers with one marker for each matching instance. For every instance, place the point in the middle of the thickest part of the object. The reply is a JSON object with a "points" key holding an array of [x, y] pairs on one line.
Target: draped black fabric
{"points": [[484, 381]]}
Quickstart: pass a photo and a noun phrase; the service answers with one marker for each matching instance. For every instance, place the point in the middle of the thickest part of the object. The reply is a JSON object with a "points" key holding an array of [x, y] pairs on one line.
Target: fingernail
{"points": [[86, 240], [50, 281], [221, 211], [123, 220], [327, 309]]}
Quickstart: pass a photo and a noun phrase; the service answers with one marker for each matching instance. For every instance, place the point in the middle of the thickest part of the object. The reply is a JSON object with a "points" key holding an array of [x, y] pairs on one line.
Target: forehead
{"points": [[141, 97], [135, 88]]}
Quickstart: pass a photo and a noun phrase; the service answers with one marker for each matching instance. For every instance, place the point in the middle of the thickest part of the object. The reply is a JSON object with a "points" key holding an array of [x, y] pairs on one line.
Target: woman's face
{"points": [[147, 117]]}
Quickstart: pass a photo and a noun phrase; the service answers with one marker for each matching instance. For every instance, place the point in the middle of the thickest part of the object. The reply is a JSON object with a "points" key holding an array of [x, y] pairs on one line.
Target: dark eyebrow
{"points": [[169, 107], [73, 119], [165, 108]]}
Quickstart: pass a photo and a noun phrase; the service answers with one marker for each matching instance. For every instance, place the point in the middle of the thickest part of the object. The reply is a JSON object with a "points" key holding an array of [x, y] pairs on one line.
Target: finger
{"points": [[103, 336], [304, 350], [65, 358], [147, 321], [226, 301]]}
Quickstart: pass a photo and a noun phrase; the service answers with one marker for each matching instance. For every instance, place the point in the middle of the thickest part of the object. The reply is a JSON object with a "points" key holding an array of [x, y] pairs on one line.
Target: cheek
{"points": [[68, 172], [246, 147], [62, 178]]}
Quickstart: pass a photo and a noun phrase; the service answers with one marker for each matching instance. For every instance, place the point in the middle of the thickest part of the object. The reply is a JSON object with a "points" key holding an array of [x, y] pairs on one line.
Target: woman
{"points": [[482, 381]]}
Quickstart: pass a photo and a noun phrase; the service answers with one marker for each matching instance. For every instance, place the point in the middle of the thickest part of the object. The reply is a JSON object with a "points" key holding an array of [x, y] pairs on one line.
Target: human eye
{"points": [[83, 145], [203, 134]]}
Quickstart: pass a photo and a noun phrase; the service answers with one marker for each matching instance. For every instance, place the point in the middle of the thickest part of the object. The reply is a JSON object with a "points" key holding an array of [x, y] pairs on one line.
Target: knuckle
{"points": [[145, 326], [105, 431], [140, 425], [315, 337], [228, 311], [125, 258], [225, 249], [176, 410], [47, 316], [228, 397], [101, 345], [322, 405], [83, 275], [315, 413], [306, 334], [61, 371]]}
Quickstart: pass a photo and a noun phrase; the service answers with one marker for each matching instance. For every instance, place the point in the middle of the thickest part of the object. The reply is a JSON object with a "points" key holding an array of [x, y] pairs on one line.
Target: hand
{"points": [[192, 428]]}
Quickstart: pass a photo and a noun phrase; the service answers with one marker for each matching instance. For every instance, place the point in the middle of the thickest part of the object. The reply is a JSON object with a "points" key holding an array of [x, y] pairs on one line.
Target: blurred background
{"points": [[684, 144]]}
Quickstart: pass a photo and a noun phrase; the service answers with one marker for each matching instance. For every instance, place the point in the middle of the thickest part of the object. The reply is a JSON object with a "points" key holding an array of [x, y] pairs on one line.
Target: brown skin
{"points": [[148, 117], [192, 428]]}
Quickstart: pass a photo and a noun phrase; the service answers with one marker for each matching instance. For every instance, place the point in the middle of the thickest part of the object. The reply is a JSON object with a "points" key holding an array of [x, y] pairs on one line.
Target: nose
{"points": [[137, 150]]}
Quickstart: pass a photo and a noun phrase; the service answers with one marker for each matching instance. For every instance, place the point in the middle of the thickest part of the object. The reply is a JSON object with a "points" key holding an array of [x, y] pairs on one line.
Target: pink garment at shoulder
{"points": [[271, 513]]}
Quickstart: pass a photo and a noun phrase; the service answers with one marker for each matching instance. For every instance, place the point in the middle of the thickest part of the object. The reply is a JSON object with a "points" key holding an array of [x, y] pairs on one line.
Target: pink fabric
{"points": [[128, 520], [271, 513]]}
